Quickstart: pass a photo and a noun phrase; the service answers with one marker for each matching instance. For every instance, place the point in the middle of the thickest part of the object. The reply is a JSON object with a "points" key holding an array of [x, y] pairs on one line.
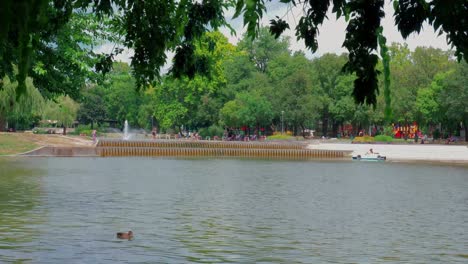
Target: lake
{"points": [[68, 210]]}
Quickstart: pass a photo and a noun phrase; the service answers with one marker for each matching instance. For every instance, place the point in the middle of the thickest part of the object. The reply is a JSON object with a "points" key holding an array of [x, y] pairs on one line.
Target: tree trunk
{"points": [[325, 123], [64, 130], [303, 131], [180, 131], [465, 124], [2, 123], [335, 128]]}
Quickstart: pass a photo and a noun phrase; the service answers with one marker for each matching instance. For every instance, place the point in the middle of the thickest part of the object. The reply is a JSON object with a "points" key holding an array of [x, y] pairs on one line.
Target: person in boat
{"points": [[371, 151]]}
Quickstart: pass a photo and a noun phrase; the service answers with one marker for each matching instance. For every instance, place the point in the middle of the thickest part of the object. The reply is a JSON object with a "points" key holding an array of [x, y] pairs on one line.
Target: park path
{"points": [[420, 152]]}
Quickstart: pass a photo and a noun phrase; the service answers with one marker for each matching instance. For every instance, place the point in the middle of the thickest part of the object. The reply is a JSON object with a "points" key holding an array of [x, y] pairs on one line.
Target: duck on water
{"points": [[125, 235]]}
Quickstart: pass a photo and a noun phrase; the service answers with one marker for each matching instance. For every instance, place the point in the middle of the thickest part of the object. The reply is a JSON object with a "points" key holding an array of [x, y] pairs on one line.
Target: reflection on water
{"points": [[64, 210], [20, 212]]}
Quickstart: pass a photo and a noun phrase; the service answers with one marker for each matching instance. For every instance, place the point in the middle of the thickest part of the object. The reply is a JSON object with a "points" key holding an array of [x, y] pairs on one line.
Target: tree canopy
{"points": [[33, 31]]}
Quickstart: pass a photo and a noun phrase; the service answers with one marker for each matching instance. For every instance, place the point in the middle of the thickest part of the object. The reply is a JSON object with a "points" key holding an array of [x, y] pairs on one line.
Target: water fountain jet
{"points": [[126, 135]]}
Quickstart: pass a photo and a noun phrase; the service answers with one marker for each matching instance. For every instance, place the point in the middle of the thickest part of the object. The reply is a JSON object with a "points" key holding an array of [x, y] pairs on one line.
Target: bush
{"points": [[383, 138], [39, 131], [203, 132], [82, 129], [211, 131], [388, 131], [436, 134], [86, 130], [281, 137], [364, 139]]}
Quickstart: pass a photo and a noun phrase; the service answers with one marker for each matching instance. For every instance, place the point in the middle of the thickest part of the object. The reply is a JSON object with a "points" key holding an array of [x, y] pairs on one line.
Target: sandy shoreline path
{"points": [[429, 153], [19, 143]]}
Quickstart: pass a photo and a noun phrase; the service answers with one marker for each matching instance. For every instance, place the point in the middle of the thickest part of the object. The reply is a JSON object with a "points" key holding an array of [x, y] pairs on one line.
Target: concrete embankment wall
{"points": [[63, 152], [216, 152], [200, 144], [161, 148]]}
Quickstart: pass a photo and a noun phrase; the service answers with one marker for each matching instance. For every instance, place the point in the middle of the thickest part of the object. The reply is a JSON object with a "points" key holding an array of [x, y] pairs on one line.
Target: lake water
{"points": [[67, 210]]}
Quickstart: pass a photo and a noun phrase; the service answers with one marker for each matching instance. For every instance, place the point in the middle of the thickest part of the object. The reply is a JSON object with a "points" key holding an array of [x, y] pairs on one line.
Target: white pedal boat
{"points": [[370, 157]]}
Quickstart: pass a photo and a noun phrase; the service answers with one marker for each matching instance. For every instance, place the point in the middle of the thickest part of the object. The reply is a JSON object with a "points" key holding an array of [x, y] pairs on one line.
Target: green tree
{"points": [[238, 71], [294, 92], [412, 71], [92, 108], [151, 28], [195, 102], [248, 109], [21, 113], [229, 114], [454, 96], [342, 107], [264, 48], [330, 81], [58, 53], [63, 109], [121, 100]]}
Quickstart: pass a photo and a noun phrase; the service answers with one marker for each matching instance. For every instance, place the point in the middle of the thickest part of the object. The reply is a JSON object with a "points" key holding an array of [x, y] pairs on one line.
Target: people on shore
{"points": [[94, 136]]}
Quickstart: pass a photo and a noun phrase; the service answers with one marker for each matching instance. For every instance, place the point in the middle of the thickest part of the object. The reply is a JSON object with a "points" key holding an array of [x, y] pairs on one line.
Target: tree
{"points": [[248, 109], [150, 28], [92, 108], [342, 106], [153, 27], [411, 72], [122, 102], [195, 102], [63, 109], [238, 71], [454, 96], [332, 85], [53, 44], [264, 48], [294, 92], [21, 113]]}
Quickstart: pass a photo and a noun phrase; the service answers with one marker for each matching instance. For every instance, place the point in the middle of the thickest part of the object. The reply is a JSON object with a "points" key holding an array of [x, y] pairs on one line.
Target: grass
{"points": [[282, 137], [383, 138], [13, 144], [364, 139]]}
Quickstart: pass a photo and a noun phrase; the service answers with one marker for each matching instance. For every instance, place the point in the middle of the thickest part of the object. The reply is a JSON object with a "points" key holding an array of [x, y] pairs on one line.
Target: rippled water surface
{"points": [[67, 210]]}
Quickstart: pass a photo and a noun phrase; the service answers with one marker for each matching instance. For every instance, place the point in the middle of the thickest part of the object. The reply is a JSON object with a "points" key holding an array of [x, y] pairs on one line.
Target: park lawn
{"points": [[15, 144], [284, 137]]}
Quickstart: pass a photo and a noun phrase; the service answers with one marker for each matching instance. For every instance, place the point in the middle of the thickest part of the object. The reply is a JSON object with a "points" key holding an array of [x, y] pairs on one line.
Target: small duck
{"points": [[125, 235]]}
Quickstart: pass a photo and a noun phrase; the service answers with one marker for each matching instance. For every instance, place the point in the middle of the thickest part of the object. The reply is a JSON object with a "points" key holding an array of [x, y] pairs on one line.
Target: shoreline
{"points": [[430, 153], [456, 155]]}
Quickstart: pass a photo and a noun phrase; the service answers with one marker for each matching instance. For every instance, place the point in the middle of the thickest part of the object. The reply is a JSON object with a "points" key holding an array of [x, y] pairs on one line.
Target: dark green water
{"points": [[67, 210]]}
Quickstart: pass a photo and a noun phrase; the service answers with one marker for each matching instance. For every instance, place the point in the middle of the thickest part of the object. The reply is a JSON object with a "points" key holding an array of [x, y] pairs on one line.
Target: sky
{"points": [[331, 34]]}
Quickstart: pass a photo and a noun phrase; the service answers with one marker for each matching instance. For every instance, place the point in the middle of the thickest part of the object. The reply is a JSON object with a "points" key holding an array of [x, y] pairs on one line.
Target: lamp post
{"points": [[282, 122]]}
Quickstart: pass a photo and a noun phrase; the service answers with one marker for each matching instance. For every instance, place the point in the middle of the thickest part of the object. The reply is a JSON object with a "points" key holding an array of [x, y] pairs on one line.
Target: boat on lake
{"points": [[370, 157]]}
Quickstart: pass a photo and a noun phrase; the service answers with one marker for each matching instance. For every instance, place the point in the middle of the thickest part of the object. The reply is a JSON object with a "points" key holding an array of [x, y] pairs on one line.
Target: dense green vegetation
{"points": [[258, 85], [47, 40]]}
